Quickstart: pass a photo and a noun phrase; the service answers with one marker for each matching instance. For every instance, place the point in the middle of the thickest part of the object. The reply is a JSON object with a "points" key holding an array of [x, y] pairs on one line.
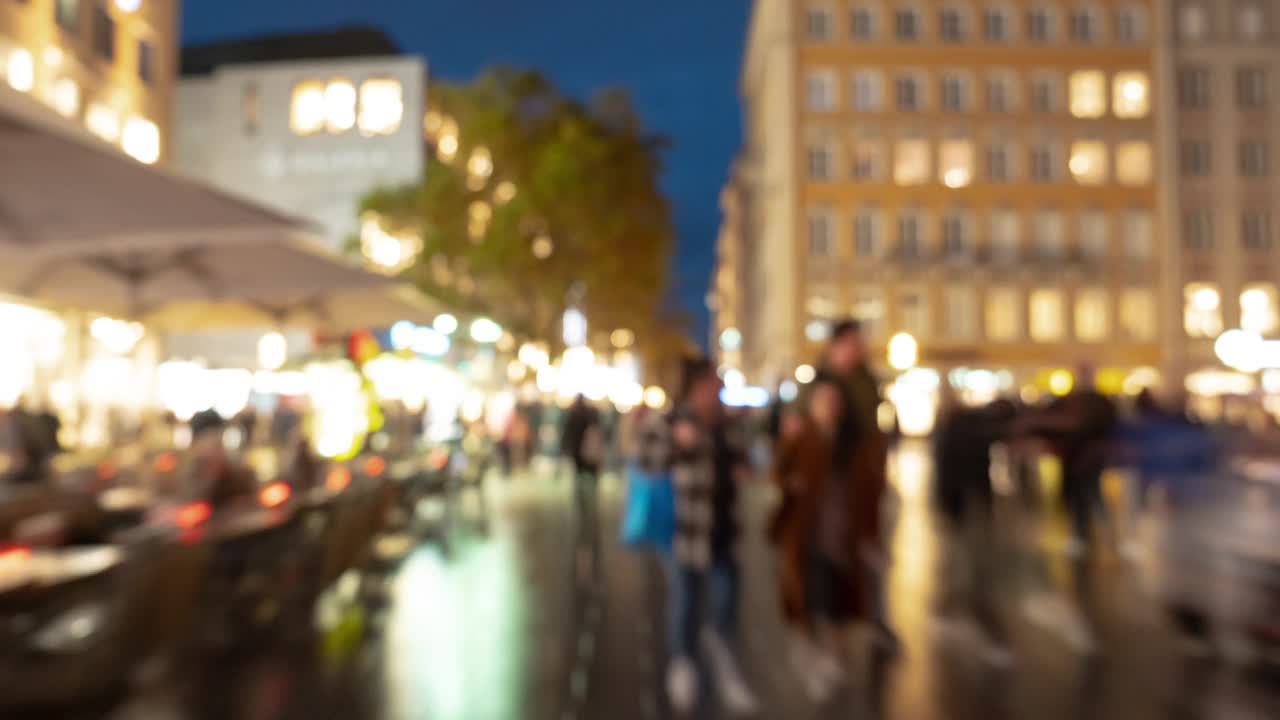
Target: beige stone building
{"points": [[981, 174], [108, 64]]}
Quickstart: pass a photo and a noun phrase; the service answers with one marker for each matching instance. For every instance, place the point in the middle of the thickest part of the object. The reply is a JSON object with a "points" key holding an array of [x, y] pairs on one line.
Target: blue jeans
{"points": [[687, 595]]}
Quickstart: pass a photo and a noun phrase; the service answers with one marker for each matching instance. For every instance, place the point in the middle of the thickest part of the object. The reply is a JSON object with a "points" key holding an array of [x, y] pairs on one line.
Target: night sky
{"points": [[679, 58]]}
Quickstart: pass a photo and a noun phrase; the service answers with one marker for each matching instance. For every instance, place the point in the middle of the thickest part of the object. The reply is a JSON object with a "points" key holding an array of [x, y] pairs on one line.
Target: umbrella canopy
{"points": [[337, 311]]}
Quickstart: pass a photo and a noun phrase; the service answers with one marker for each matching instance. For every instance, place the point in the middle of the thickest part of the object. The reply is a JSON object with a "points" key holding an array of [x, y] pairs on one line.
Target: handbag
{"points": [[649, 516]]}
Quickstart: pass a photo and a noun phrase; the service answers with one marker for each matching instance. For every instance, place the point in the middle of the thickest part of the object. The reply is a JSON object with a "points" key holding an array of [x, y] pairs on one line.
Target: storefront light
{"points": [[485, 331], [1061, 382], [548, 379], [730, 339], [117, 336], [903, 351], [655, 397], [273, 350], [103, 121], [66, 97], [445, 324], [141, 140], [21, 72], [805, 374], [128, 5]]}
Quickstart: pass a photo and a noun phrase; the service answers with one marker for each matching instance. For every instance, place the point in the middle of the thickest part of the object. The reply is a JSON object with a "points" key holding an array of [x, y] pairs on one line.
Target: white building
{"points": [[297, 123]]}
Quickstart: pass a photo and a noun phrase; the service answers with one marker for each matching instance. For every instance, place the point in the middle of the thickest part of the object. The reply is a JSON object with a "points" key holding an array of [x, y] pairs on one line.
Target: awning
{"points": [[336, 311]]}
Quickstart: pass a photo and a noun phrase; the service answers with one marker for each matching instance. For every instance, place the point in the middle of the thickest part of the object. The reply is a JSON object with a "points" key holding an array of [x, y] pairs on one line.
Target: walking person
{"points": [[582, 442], [702, 570]]}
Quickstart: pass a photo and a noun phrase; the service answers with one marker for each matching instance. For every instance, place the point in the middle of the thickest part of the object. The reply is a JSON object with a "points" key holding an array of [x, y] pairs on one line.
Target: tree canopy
{"points": [[532, 199]]}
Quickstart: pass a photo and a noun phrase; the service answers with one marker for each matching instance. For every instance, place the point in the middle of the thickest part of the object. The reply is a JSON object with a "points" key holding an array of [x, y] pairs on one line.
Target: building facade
{"points": [[298, 124], [981, 175], [1222, 67], [108, 64], [729, 287]]}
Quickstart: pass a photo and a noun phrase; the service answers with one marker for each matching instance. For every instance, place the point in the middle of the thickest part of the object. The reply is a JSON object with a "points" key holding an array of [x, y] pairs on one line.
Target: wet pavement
{"points": [[523, 618]]}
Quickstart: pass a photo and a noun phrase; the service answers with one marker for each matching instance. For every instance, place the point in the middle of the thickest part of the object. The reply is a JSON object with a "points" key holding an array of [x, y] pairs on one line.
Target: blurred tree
{"points": [[531, 197]]}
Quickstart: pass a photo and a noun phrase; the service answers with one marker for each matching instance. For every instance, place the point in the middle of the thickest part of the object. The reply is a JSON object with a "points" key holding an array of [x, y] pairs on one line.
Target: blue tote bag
{"points": [[649, 517]]}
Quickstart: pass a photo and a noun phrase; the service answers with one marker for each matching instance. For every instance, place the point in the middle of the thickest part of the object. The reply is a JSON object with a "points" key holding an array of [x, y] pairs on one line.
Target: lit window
{"points": [[960, 312], [1202, 310], [1046, 315], [103, 121], [1084, 25], [1003, 314], [995, 25], [821, 231], [1094, 232], [1092, 315], [818, 23], [1251, 22], [1133, 162], [340, 105], [381, 106], [955, 163], [999, 162], [867, 90], [1130, 98], [1137, 234], [1049, 233], [867, 159], [1254, 160], [307, 109], [21, 70], [141, 140], [1000, 92], [1088, 163], [820, 88], [1251, 88], [1088, 94], [66, 97], [1195, 158], [913, 308], [1044, 161], [1137, 314], [821, 160], [1256, 230], [906, 24], [1197, 229], [1258, 309], [1005, 229], [909, 94], [911, 162], [868, 308], [951, 24], [863, 23], [866, 233], [1040, 25], [1130, 25], [955, 235], [1044, 93], [1193, 88], [1193, 21]]}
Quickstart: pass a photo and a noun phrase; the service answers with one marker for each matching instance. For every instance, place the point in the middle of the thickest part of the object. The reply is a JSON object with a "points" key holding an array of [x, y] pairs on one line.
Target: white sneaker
{"points": [[734, 693], [682, 685]]}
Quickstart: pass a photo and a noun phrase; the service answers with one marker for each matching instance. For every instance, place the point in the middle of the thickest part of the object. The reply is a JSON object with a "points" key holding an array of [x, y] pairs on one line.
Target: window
{"points": [[67, 14], [1046, 315], [913, 304], [909, 95], [1251, 22], [951, 25], [1193, 21], [1251, 88], [867, 160], [955, 92], [1137, 314], [1093, 321], [1044, 161], [1088, 163], [1254, 161], [1194, 158], [999, 162], [911, 162], [1084, 25], [146, 62], [1093, 234], [104, 33], [960, 312], [1201, 310], [1258, 309], [1000, 92], [821, 161], [863, 24], [1193, 88], [1005, 227], [339, 105], [910, 240], [867, 90], [821, 231], [818, 23], [1130, 25], [1197, 229], [866, 233], [820, 89], [1040, 25], [1130, 95], [1003, 314], [1137, 235], [307, 108], [995, 25], [1256, 230], [381, 106], [249, 109], [140, 140], [1044, 93], [1048, 232], [868, 308], [1088, 89], [955, 163], [955, 235], [906, 24], [1133, 162]]}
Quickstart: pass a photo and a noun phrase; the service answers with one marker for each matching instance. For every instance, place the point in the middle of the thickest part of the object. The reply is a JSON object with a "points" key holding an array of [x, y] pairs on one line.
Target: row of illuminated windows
{"points": [[956, 164], [336, 106], [1202, 309], [1006, 314], [1196, 87], [1198, 232], [1084, 23], [1088, 93], [910, 232], [1253, 158], [1249, 21], [103, 30]]}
